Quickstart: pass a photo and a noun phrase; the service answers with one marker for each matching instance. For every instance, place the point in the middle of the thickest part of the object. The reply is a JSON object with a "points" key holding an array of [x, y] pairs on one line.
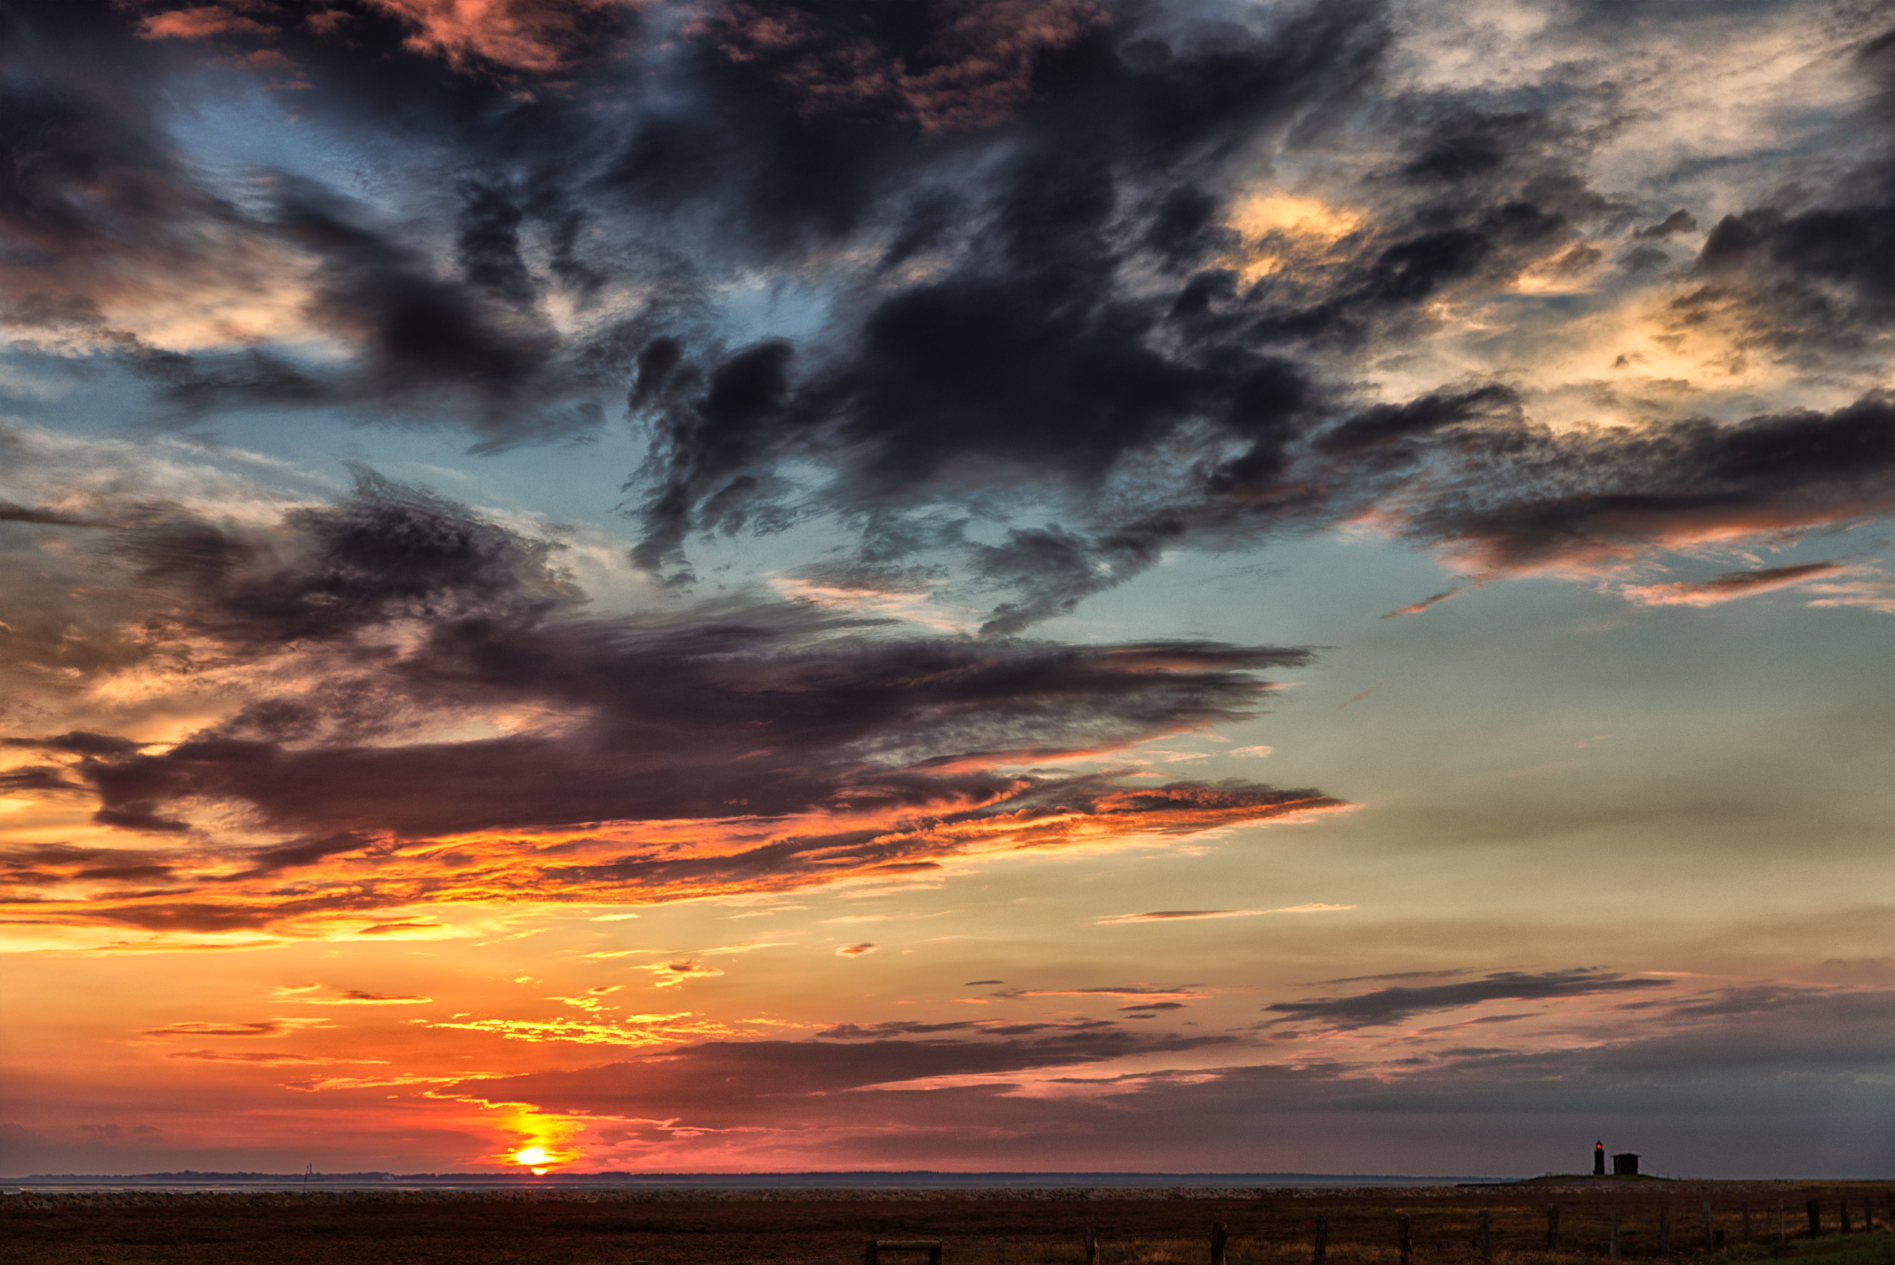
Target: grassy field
{"points": [[1279, 1230]]}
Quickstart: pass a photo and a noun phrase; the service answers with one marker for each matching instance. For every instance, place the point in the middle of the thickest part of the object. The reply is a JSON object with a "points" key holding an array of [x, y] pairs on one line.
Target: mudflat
{"points": [[1011, 1227]]}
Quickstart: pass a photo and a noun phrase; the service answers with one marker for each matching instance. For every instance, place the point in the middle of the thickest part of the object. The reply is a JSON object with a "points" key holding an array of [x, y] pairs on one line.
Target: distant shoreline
{"points": [[769, 1187], [914, 1181]]}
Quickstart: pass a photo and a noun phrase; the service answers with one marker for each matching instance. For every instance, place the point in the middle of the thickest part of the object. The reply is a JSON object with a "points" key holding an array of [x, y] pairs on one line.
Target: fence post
{"points": [[1842, 1209], [1868, 1214], [1709, 1242], [1783, 1225], [868, 1256], [1217, 1243], [1486, 1237], [1404, 1239], [1664, 1232], [1746, 1221], [1815, 1211], [934, 1254], [1615, 1232], [1552, 1228], [1092, 1246], [1322, 1241]]}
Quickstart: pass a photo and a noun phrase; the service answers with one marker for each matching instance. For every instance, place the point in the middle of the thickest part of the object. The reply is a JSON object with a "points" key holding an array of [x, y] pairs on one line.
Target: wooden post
{"points": [[1217, 1243], [1615, 1232], [1708, 1242], [1815, 1211], [1322, 1241], [1746, 1221], [871, 1252], [1404, 1239], [1783, 1225], [1092, 1246], [1842, 1208], [1552, 1228], [1486, 1236], [1664, 1232]]}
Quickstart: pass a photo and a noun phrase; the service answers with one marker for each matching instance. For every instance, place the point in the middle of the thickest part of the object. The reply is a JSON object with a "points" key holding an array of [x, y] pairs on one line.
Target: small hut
{"points": [[1625, 1165]]}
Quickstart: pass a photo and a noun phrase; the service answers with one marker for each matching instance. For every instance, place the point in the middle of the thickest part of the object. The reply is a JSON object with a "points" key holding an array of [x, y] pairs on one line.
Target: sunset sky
{"points": [[733, 585]]}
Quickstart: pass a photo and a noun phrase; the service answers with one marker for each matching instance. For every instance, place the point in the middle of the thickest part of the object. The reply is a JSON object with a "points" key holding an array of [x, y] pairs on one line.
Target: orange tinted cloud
{"points": [[335, 895], [533, 35], [417, 713], [264, 1028], [651, 1029], [199, 23], [1730, 586]]}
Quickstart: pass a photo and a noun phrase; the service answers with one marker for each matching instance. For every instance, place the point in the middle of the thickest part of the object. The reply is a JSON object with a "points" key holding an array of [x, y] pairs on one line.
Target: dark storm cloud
{"points": [[391, 552], [1676, 222], [87, 172], [417, 332], [1024, 359], [79, 743], [43, 865], [1814, 273], [1387, 424], [99, 210], [748, 713], [1393, 1005], [41, 778], [1027, 361], [1527, 497], [1044, 301], [11, 513]]}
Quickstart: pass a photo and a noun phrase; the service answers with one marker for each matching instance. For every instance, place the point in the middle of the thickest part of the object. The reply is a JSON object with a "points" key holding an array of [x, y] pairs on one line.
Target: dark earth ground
{"points": [[998, 1228]]}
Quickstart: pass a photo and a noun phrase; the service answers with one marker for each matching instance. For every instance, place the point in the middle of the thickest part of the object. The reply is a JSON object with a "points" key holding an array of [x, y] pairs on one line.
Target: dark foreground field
{"points": [[1010, 1228]]}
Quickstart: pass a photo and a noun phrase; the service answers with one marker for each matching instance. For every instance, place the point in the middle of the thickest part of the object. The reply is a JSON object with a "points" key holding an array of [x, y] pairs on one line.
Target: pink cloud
{"points": [[542, 36], [1729, 586], [199, 23]]}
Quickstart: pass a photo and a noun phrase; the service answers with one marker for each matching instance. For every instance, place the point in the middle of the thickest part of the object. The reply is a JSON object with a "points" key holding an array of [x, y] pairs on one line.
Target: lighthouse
{"points": [[1598, 1159]]}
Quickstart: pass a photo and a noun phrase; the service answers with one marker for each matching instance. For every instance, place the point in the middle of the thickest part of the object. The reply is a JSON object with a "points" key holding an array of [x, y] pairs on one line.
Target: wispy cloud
{"points": [[1393, 1005], [1416, 608], [1147, 991], [1730, 586], [262, 1059], [1174, 915], [314, 995]]}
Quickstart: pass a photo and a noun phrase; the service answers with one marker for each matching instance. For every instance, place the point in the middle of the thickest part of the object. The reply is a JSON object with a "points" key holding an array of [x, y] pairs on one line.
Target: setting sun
{"points": [[531, 1155]]}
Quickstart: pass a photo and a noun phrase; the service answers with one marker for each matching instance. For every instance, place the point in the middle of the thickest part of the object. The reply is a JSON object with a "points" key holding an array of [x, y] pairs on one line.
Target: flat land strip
{"points": [[805, 1227]]}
